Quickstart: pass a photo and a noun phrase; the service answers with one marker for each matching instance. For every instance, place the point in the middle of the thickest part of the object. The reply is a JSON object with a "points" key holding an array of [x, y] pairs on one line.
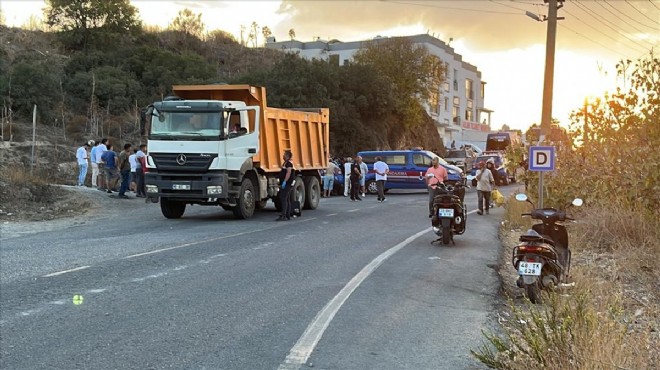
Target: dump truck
{"points": [[221, 145]]}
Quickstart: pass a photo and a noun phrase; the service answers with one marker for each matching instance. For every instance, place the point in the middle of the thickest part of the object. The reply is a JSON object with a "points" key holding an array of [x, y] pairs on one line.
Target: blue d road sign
{"points": [[541, 158]]}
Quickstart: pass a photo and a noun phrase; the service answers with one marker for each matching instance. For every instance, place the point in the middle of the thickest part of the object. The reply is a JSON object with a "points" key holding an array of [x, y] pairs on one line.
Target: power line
{"points": [[624, 21], [592, 40], [607, 25], [508, 6], [452, 8], [613, 26], [652, 3], [641, 12]]}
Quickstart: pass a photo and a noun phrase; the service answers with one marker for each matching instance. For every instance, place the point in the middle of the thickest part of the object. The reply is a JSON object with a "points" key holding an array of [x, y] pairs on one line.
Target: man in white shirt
{"points": [[364, 169], [132, 180], [382, 169], [82, 157], [347, 176]]}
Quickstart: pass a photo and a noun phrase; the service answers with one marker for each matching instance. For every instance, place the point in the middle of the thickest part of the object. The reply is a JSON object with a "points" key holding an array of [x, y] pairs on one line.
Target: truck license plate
{"points": [[445, 212], [530, 268], [180, 187]]}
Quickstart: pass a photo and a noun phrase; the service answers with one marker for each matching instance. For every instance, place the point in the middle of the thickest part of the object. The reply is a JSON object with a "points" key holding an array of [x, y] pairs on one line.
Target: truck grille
{"points": [[182, 162]]}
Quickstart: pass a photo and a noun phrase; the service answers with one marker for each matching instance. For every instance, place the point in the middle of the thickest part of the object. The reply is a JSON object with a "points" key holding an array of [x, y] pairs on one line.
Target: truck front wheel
{"points": [[172, 209], [245, 205]]}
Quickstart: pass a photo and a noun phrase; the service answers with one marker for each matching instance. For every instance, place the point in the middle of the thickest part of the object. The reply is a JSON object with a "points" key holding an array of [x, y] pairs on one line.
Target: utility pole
{"points": [[548, 78]]}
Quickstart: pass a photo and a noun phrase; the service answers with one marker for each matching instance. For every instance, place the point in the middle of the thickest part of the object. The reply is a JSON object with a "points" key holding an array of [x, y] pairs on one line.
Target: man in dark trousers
{"points": [[124, 170], [355, 180], [286, 184]]}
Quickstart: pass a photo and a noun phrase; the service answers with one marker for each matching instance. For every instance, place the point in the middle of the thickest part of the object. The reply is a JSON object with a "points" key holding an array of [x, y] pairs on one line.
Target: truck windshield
{"points": [[196, 125]]}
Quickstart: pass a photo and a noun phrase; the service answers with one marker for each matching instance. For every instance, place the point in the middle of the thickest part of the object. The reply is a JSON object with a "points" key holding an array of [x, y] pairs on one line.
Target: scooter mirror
{"points": [[577, 202], [521, 197]]}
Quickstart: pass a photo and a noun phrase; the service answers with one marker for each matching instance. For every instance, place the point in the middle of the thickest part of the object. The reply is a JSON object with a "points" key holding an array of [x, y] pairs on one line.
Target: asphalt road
{"points": [[128, 289]]}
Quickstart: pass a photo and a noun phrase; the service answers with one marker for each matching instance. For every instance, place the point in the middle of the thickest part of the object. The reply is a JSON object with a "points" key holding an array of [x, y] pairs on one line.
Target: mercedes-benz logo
{"points": [[181, 159]]}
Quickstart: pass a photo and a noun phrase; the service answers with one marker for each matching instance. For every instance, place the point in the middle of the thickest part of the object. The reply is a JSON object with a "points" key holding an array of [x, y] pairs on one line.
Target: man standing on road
{"points": [[363, 175], [355, 180], [382, 169], [141, 159], [95, 165], [102, 180], [435, 175], [485, 182], [109, 158], [286, 184], [347, 176], [125, 170], [329, 178], [82, 155]]}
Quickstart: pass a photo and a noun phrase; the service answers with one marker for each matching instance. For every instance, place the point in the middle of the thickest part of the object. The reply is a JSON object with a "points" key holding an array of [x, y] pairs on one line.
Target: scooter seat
{"points": [[533, 236]]}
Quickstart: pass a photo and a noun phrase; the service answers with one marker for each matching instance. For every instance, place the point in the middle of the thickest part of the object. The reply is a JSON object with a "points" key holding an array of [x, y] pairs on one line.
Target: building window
{"points": [[334, 59], [457, 100], [468, 115], [455, 114], [483, 90], [434, 102], [469, 104], [446, 104], [445, 86], [469, 89]]}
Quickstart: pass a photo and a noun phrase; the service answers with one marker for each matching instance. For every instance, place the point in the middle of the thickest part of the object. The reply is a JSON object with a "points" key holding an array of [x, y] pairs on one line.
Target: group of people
{"points": [[113, 171], [355, 174]]}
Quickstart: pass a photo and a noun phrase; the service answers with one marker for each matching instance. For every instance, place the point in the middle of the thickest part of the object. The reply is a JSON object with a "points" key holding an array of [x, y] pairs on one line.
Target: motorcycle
{"points": [[543, 258], [449, 213]]}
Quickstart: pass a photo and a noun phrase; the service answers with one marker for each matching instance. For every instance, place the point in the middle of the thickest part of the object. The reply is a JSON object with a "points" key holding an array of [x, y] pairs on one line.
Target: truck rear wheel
{"points": [[312, 192], [245, 204], [172, 209]]}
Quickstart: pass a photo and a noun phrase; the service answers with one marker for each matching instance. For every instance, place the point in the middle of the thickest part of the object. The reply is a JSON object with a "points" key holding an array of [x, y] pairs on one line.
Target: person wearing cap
{"points": [[485, 182], [82, 155]]}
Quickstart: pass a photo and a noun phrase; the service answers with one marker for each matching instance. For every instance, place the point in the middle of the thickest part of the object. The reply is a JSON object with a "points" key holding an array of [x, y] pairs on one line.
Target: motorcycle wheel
{"points": [[533, 292], [446, 235]]}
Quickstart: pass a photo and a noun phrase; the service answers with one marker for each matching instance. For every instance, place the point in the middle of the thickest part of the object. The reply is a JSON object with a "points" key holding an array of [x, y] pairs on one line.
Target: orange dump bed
{"points": [[305, 132]]}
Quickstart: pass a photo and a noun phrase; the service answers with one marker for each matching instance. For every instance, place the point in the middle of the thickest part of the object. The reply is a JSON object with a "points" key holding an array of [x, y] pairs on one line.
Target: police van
{"points": [[407, 169]]}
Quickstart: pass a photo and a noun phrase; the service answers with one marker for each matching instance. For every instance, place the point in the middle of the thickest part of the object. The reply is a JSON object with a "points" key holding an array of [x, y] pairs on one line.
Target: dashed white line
{"points": [[332, 214], [353, 210], [303, 348], [65, 271], [96, 290]]}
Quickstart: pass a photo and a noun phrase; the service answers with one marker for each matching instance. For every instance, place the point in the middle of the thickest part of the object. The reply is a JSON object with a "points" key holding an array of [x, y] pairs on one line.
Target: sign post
{"points": [[541, 159]]}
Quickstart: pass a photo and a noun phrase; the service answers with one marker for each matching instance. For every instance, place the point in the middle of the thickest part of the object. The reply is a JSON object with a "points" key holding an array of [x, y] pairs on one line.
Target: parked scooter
{"points": [[543, 258], [449, 213]]}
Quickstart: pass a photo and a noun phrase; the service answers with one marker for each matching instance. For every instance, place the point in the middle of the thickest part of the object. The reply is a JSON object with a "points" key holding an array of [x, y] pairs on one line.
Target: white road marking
{"points": [[59, 302], [96, 290], [197, 242], [301, 351], [353, 210], [332, 214], [435, 258], [65, 271]]}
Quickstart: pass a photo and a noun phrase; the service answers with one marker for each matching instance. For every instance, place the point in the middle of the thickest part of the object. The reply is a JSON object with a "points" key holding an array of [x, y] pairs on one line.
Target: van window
{"points": [[368, 158], [395, 159], [421, 160]]}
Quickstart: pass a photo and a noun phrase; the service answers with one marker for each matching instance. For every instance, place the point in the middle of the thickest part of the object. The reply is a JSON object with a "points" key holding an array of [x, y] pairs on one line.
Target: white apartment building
{"points": [[457, 107]]}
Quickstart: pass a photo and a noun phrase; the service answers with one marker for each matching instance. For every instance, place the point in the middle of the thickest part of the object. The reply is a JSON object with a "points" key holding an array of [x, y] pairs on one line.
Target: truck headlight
{"points": [[213, 190], [152, 189]]}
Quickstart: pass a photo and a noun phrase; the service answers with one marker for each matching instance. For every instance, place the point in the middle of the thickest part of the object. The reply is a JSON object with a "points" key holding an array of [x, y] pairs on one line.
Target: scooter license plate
{"points": [[530, 268], [445, 212]]}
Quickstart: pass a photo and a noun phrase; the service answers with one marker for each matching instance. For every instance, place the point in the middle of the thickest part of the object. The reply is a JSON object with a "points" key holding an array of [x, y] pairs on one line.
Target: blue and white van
{"points": [[407, 169]]}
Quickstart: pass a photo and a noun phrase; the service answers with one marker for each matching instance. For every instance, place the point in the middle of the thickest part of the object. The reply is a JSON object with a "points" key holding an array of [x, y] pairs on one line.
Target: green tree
{"points": [[188, 22], [412, 71], [81, 21]]}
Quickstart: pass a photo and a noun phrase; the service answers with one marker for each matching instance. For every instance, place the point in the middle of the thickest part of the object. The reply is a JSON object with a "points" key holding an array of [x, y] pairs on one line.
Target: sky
{"points": [[496, 36]]}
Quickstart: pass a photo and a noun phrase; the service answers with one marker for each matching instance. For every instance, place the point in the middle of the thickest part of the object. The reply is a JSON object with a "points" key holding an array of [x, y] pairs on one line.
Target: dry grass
{"points": [[609, 320]]}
